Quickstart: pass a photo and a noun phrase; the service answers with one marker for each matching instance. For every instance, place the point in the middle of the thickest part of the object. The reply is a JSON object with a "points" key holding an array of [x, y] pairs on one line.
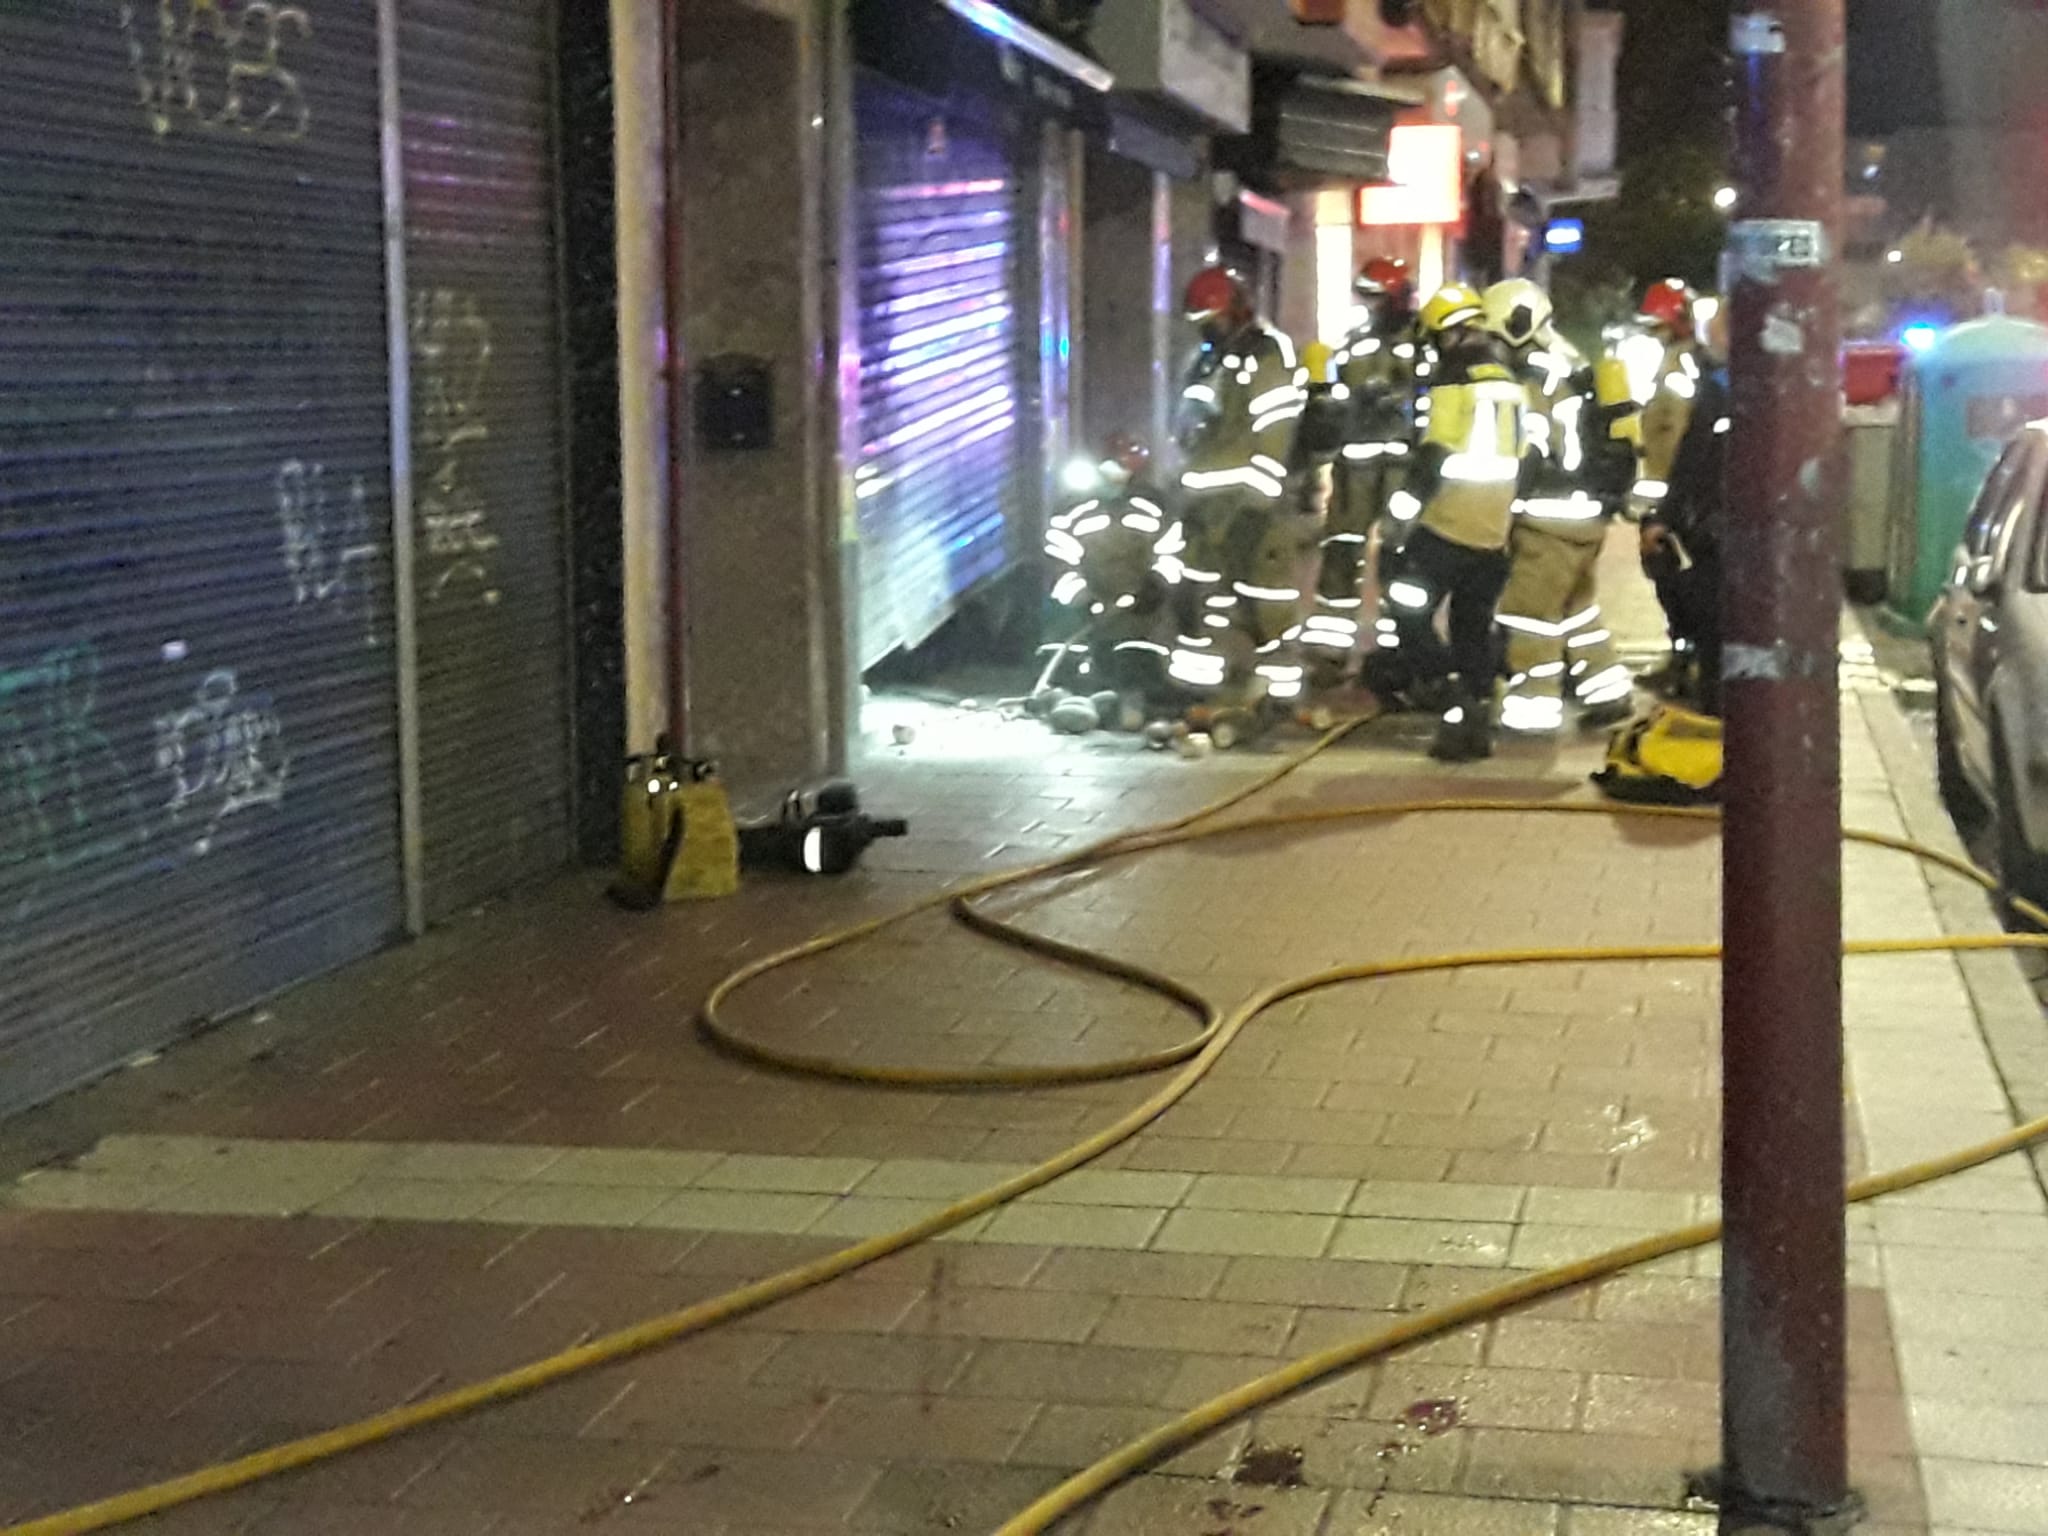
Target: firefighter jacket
{"points": [[1693, 510], [1377, 373], [1468, 467], [1573, 474], [1665, 417], [1240, 411]]}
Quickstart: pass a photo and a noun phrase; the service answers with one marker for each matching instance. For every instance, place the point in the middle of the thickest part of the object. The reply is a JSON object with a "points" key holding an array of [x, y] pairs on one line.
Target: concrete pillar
{"points": [[1117, 299], [763, 597], [639, 103]]}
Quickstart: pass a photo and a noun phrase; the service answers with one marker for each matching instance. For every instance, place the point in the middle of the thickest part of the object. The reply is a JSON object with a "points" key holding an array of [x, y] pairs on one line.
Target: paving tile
{"points": [[1581, 1467], [1312, 1283], [909, 1427], [1373, 1513], [1210, 1327], [1659, 1407], [574, 1205], [855, 1216], [1135, 1274], [1987, 1495], [1592, 1520], [786, 1175], [1156, 1505], [1114, 1186], [716, 1210], [990, 1313], [1075, 1226], [467, 1163], [1244, 1233], [1624, 1349], [1436, 1201], [1070, 1373], [1352, 1453], [1641, 1210], [857, 1363], [56, 1189], [915, 1500], [1485, 1397], [1974, 1370], [1071, 1436], [1239, 1192], [1481, 1244], [645, 1168], [404, 1199], [733, 1418], [935, 1179]]}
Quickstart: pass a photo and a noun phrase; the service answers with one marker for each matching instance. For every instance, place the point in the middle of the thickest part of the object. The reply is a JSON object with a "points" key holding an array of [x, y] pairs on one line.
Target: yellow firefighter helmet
{"points": [[1517, 311], [1453, 304]]}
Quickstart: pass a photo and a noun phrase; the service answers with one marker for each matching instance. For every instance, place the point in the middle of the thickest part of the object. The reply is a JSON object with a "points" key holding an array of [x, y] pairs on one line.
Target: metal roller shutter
{"points": [[946, 346], [197, 702], [476, 92]]}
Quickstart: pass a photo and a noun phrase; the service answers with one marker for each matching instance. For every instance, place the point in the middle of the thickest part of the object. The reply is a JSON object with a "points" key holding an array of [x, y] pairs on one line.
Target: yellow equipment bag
{"points": [[677, 841], [1670, 756]]}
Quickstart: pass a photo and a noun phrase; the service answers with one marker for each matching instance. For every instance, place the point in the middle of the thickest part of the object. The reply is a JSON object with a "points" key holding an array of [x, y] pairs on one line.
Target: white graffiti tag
{"points": [[329, 553], [451, 347], [217, 66], [220, 755]]}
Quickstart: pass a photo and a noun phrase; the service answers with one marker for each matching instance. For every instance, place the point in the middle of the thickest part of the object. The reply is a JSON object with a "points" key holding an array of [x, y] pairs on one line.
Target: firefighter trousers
{"points": [[1332, 630], [1248, 564], [1437, 573], [1558, 647]]}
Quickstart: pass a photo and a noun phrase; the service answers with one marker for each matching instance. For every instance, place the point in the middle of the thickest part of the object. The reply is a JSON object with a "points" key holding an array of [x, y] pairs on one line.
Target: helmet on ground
{"points": [[1127, 451], [1214, 290], [1453, 304], [1517, 311], [1382, 277], [1669, 304]]}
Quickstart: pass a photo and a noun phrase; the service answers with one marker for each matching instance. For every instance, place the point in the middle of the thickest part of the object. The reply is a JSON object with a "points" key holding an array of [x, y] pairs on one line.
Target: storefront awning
{"points": [[1320, 130], [1268, 31]]}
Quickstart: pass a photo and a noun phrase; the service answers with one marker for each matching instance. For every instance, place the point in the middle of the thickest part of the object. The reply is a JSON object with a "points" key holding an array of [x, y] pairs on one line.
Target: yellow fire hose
{"points": [[1194, 1057]]}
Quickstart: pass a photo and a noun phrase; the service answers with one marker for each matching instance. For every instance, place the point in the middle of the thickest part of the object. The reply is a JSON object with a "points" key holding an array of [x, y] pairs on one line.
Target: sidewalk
{"points": [[483, 1148]]}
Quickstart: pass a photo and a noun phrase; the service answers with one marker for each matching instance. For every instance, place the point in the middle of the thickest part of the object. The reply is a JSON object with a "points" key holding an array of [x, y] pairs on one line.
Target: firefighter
{"points": [[1682, 538], [1667, 318], [1670, 384], [1572, 484], [1117, 553], [1460, 501], [1375, 381], [1251, 511]]}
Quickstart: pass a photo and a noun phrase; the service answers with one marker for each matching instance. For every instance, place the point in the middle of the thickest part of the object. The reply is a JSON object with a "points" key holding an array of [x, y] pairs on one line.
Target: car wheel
{"points": [[1964, 807], [2022, 872]]}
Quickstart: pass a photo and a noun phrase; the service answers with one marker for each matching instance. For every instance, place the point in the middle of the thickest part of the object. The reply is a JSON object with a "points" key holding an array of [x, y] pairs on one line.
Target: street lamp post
{"points": [[1784, 1456]]}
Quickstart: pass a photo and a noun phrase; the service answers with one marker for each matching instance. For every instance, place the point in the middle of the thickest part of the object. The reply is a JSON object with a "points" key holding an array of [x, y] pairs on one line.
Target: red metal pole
{"points": [[1784, 1441]]}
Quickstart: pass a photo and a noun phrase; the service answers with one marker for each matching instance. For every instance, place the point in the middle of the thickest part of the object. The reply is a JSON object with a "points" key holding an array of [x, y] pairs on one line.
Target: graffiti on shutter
{"points": [[220, 755], [66, 798], [451, 343], [330, 549], [217, 65]]}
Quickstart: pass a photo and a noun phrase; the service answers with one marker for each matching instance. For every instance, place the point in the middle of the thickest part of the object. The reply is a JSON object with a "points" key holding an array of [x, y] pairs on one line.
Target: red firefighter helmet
{"points": [[1381, 276], [1127, 450], [1669, 304], [1213, 290]]}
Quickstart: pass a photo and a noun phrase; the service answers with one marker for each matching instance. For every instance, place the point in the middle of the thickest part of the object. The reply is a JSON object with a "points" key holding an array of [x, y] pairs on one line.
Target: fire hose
{"points": [[1193, 1058]]}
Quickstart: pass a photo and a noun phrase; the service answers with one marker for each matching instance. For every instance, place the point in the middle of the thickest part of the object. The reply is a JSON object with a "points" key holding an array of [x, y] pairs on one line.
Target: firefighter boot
{"points": [[1465, 733]]}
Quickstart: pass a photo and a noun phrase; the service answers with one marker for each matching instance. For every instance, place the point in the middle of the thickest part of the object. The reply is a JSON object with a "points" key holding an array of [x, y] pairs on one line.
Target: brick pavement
{"points": [[507, 1138]]}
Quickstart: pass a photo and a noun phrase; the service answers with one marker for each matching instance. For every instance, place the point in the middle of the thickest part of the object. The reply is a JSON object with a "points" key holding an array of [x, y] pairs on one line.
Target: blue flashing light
{"points": [[1561, 237], [1920, 336]]}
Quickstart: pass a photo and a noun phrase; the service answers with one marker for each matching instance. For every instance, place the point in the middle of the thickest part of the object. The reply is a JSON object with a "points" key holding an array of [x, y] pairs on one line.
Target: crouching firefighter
{"points": [[1118, 558], [1375, 384], [1461, 497], [1575, 478], [1252, 514]]}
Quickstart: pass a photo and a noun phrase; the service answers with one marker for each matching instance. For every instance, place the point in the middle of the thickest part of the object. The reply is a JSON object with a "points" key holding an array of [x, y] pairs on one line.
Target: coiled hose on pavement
{"points": [[1194, 1058]]}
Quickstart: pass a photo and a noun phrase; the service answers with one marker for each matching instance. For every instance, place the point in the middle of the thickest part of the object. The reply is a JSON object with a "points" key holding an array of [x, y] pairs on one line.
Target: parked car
{"points": [[1989, 633]]}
